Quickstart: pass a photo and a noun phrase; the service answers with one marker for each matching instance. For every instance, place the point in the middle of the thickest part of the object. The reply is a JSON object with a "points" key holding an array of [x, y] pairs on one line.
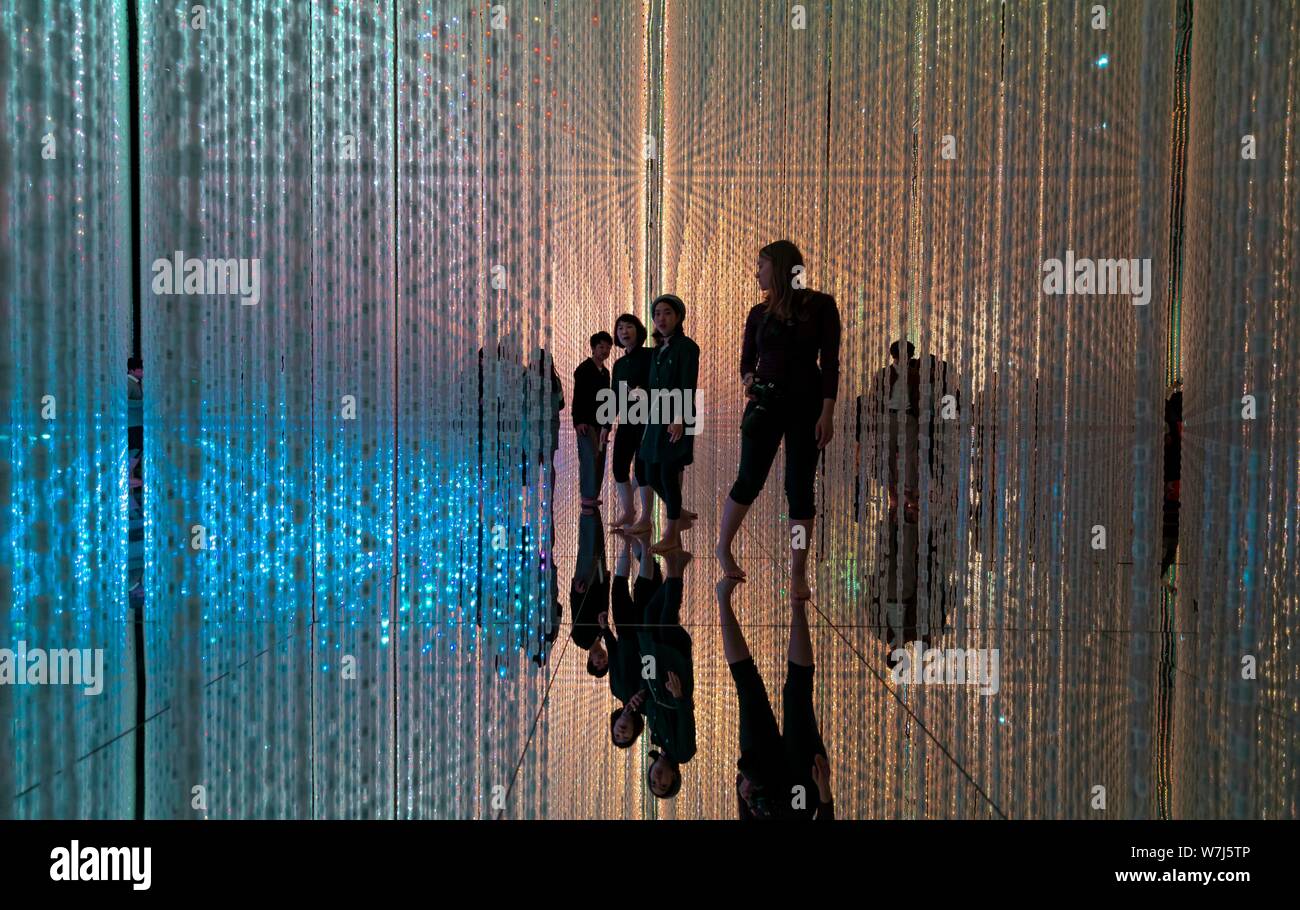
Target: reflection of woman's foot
{"points": [[799, 589], [724, 587], [624, 519], [667, 545], [676, 560], [730, 568], [689, 515], [644, 526]]}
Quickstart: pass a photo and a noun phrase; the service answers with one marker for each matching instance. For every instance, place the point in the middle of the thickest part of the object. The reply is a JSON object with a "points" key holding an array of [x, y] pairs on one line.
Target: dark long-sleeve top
{"points": [[624, 650], [588, 380], [804, 350], [634, 368], [676, 365]]}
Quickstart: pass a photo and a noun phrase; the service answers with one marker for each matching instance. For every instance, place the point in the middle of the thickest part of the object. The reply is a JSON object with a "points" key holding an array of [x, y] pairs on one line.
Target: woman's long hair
{"points": [[784, 256]]}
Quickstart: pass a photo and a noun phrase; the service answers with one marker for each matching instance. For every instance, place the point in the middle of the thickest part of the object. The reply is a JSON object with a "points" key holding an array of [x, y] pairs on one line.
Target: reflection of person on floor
{"points": [[670, 678], [547, 382], [890, 421], [1173, 478], [589, 379], [790, 367], [543, 384], [589, 592], [631, 372], [624, 650], [667, 448], [783, 773]]}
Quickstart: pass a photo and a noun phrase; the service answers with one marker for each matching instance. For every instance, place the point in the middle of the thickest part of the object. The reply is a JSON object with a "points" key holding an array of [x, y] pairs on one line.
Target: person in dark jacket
{"points": [[589, 379], [624, 653], [668, 445], [589, 592], [782, 773], [790, 368], [631, 376], [670, 679]]}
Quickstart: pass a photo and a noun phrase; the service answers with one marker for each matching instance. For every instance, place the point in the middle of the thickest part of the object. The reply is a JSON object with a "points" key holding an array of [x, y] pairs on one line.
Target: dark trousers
{"points": [[627, 441], [794, 418], [666, 479], [591, 463], [799, 721], [758, 729]]}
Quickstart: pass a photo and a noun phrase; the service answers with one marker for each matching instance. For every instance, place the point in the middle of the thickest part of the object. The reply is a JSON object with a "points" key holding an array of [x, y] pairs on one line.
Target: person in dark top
{"points": [[790, 367], [589, 379], [668, 445], [631, 372], [782, 773], [1173, 479], [625, 680], [589, 592], [670, 679], [544, 416]]}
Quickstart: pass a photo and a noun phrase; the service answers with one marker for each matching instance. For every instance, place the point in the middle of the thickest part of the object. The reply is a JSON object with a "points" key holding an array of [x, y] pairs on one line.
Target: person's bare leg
{"points": [[687, 515], [624, 559], [799, 589], [733, 516], [801, 651], [646, 562], [672, 538], [734, 647], [627, 512], [647, 495]]}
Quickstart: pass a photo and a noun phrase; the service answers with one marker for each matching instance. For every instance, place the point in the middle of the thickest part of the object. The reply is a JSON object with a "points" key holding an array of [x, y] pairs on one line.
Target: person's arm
{"points": [[584, 394], [829, 353], [749, 345], [830, 368]]}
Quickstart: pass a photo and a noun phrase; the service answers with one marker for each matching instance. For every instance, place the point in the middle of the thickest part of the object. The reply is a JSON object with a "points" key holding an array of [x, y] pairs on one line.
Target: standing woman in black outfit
{"points": [[790, 365], [633, 371], [666, 447]]}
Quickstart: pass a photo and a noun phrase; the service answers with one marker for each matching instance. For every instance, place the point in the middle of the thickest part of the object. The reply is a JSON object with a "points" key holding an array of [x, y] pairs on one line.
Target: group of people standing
{"points": [[789, 369]]}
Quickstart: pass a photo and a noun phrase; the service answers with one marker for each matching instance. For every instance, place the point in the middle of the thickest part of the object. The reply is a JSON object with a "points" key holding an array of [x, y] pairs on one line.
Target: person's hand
{"points": [[821, 775], [675, 431], [636, 701], [603, 618], [825, 430], [673, 684], [581, 428], [748, 380]]}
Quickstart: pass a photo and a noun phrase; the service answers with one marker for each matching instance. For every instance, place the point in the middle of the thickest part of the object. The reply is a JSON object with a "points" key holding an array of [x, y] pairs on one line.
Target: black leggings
{"points": [[666, 479], [627, 442], [795, 419]]}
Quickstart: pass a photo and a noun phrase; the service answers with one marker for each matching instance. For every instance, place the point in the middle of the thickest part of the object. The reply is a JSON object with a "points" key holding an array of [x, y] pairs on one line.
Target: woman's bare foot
{"points": [[644, 526], [624, 519], [730, 568], [689, 515]]}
